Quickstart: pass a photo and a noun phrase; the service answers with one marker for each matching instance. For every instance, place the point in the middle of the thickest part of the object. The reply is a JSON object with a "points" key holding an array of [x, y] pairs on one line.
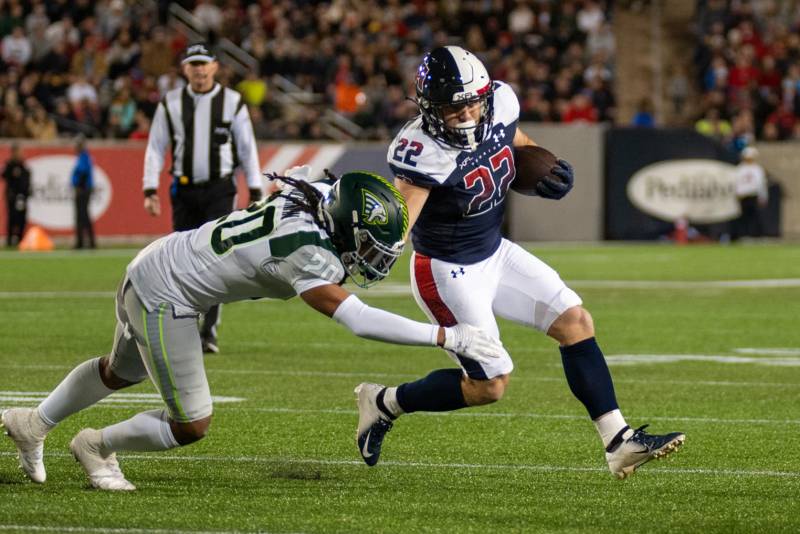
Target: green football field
{"points": [[701, 339]]}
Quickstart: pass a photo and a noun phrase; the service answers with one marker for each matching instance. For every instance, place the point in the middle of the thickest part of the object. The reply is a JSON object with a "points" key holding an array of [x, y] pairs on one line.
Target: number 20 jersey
{"points": [[461, 220], [271, 249]]}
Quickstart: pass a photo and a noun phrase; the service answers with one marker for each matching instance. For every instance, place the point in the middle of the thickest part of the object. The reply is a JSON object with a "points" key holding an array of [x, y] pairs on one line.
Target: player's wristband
{"points": [[150, 192]]}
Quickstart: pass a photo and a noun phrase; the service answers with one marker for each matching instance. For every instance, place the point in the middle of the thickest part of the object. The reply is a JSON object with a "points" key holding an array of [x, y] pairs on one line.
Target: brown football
{"points": [[533, 164]]}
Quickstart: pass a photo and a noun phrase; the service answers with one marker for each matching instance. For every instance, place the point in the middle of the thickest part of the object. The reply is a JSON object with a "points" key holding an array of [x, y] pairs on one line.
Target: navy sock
{"points": [[588, 377], [440, 391]]}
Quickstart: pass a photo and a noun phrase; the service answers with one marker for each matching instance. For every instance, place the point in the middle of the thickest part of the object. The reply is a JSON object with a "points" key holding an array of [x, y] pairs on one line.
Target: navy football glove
{"points": [[556, 189]]}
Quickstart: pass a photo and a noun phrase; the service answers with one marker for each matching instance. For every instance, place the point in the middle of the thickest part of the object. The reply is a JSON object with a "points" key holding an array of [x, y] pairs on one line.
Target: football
{"points": [[533, 164]]}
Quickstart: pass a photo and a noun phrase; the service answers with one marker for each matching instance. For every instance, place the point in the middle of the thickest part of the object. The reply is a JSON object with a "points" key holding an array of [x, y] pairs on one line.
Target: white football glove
{"points": [[298, 172], [301, 172], [473, 343]]}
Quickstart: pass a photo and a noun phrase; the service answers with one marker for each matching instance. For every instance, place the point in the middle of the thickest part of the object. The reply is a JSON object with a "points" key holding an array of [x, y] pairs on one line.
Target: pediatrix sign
{"points": [[700, 190]]}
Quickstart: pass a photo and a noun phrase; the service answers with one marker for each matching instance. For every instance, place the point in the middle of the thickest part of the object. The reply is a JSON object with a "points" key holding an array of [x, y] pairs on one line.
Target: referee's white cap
{"points": [[198, 52]]}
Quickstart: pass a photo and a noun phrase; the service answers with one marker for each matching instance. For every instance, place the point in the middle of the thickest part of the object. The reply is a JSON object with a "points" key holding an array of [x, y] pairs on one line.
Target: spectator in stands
{"points": [[784, 120], [122, 114], [142, 130], [157, 56], [713, 126], [17, 50], [62, 30], [170, 80], [123, 54], [678, 89], [644, 117], [580, 109], [40, 125], [14, 123], [37, 19], [526, 43], [89, 62], [253, 89]]}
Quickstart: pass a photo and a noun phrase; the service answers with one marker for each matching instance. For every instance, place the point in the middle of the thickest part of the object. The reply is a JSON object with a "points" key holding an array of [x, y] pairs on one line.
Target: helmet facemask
{"points": [[466, 135], [367, 219], [372, 260]]}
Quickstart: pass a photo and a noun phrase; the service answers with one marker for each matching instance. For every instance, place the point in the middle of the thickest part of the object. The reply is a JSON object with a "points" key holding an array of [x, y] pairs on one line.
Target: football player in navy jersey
{"points": [[454, 164]]}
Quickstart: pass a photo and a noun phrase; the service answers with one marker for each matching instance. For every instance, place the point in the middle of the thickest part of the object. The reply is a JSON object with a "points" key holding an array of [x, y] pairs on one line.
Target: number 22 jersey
{"points": [[461, 220]]}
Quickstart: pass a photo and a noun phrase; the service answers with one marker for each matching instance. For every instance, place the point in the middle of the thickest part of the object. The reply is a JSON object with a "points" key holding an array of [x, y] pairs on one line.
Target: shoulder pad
{"points": [[506, 104], [416, 157]]}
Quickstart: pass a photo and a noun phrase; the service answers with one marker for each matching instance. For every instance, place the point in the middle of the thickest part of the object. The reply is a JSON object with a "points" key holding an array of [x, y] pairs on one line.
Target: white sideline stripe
{"points": [[426, 465], [101, 530], [472, 414], [115, 398], [391, 289], [771, 351], [56, 294], [532, 415], [622, 359], [686, 284], [363, 374]]}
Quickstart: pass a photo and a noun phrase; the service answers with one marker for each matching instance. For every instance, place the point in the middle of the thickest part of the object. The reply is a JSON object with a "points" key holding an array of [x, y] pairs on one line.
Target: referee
{"points": [[211, 134]]}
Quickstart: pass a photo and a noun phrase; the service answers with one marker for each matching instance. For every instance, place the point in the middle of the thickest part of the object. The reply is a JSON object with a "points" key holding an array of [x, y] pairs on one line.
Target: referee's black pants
{"points": [[192, 206]]}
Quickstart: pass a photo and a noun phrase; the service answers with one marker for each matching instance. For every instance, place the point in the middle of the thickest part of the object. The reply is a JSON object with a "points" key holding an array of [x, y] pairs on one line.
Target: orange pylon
{"points": [[36, 239]]}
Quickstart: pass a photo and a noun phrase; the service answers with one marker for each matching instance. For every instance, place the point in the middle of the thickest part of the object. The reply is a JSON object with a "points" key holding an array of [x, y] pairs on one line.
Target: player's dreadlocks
{"points": [[311, 200]]}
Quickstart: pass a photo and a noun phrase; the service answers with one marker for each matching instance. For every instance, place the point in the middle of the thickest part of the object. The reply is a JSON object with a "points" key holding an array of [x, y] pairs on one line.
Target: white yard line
{"points": [[434, 465], [400, 376], [628, 359], [393, 289], [123, 403], [117, 530]]}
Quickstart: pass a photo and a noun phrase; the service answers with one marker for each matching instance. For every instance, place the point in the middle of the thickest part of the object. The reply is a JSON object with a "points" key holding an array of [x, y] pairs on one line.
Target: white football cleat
{"points": [[373, 424], [104, 472], [26, 428], [624, 455]]}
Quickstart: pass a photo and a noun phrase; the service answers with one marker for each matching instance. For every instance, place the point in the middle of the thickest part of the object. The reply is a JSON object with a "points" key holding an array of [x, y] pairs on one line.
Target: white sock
{"points": [[609, 424], [81, 388], [390, 401], [145, 431]]}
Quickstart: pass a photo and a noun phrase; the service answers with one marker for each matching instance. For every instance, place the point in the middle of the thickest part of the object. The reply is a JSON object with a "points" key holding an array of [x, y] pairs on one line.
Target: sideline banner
{"points": [[655, 177], [117, 205]]}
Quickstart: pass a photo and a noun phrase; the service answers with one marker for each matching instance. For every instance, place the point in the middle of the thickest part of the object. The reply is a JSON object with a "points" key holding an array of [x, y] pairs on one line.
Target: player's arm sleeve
{"points": [[246, 146], [374, 323], [157, 143]]}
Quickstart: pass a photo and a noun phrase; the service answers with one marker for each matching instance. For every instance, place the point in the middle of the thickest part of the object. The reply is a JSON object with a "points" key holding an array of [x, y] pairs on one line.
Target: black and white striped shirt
{"points": [[211, 134]]}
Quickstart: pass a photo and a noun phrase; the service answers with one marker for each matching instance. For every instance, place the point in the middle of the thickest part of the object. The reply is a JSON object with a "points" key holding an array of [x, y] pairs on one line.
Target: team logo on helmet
{"points": [[374, 210]]}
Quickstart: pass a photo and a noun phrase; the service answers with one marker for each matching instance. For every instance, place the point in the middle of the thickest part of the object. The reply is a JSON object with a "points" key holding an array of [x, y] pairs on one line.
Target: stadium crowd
{"points": [[100, 67], [748, 66]]}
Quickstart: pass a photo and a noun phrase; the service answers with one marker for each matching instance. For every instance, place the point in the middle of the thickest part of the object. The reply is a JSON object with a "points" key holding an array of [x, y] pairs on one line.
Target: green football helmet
{"points": [[368, 219]]}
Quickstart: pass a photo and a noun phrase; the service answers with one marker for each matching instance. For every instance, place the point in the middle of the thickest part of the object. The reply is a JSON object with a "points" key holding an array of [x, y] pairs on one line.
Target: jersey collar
{"points": [[214, 90]]}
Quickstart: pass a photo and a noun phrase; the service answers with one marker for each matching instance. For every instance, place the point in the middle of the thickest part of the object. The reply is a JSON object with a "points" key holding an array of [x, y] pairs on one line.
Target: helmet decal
{"points": [[374, 210]]}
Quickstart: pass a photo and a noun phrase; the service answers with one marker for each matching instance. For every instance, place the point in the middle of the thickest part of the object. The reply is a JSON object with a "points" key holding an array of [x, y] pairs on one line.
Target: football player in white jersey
{"points": [[454, 164], [300, 241]]}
